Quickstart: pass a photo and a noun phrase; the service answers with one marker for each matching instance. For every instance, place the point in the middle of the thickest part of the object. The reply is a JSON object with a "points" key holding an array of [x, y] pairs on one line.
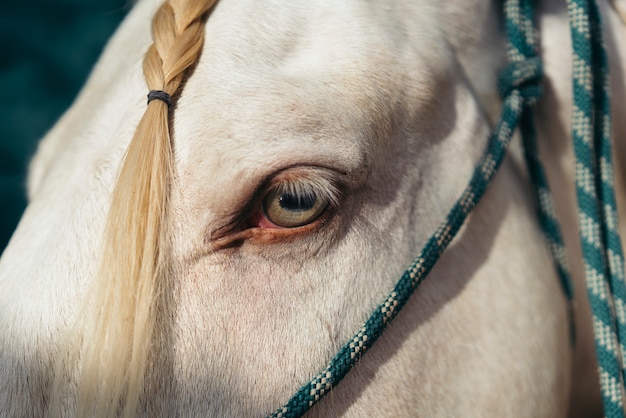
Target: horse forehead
{"points": [[303, 49], [271, 73], [314, 33]]}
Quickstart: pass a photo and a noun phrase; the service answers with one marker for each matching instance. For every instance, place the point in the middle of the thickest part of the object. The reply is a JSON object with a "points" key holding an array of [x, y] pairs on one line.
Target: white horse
{"points": [[367, 119]]}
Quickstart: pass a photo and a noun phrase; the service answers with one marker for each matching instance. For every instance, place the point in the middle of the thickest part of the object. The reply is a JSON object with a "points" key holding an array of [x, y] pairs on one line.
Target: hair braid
{"points": [[118, 325]]}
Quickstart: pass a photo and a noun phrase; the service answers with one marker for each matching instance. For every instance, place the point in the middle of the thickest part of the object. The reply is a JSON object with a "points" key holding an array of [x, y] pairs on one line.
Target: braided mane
{"points": [[118, 322]]}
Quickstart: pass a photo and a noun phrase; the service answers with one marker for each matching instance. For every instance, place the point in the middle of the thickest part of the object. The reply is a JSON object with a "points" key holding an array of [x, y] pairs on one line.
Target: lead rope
{"points": [[522, 46], [520, 88], [597, 210]]}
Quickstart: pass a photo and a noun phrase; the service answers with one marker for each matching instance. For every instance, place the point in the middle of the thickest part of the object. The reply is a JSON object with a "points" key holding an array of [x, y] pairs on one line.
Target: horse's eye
{"points": [[289, 209]]}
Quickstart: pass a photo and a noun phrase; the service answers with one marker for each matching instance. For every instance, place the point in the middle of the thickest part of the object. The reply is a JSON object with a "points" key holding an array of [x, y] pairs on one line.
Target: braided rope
{"points": [[597, 210], [522, 46], [604, 261]]}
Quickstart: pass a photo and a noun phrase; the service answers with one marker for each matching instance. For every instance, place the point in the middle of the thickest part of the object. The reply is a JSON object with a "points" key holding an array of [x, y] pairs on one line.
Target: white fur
{"points": [[394, 101]]}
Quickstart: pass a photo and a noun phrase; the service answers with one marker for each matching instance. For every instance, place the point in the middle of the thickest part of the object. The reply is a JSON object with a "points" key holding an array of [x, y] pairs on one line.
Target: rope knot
{"points": [[523, 76]]}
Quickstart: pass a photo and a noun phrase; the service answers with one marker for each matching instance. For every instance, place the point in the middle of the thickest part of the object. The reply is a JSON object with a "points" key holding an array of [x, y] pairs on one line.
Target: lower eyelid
{"points": [[257, 235]]}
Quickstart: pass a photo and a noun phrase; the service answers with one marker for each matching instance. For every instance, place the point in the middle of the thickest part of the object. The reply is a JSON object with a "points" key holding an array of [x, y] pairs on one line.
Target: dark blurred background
{"points": [[47, 48]]}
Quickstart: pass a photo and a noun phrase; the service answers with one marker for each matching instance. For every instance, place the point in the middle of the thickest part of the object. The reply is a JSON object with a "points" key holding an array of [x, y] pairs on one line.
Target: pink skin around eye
{"points": [[259, 220], [260, 230]]}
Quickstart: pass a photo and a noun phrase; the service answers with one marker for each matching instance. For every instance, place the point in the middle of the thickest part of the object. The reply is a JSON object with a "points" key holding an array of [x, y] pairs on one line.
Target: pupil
{"points": [[297, 203]]}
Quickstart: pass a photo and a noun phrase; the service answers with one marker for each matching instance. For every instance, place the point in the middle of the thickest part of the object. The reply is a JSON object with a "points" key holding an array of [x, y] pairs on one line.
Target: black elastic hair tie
{"points": [[159, 95]]}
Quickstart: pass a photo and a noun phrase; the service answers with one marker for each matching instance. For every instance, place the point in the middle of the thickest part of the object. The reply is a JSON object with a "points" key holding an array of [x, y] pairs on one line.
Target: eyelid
{"points": [[325, 187]]}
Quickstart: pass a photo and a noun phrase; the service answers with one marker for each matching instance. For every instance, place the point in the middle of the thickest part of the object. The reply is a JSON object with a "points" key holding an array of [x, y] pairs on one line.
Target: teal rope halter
{"points": [[520, 88]]}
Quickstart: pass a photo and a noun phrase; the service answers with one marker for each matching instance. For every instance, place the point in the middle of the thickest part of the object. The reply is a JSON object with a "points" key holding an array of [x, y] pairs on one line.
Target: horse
{"points": [[207, 253]]}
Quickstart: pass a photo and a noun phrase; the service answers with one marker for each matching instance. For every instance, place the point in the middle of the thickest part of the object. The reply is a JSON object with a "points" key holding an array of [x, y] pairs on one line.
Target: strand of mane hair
{"points": [[116, 327]]}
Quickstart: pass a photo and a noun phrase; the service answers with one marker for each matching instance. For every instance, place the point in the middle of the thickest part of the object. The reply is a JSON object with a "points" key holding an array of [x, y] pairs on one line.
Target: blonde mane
{"points": [[118, 321]]}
